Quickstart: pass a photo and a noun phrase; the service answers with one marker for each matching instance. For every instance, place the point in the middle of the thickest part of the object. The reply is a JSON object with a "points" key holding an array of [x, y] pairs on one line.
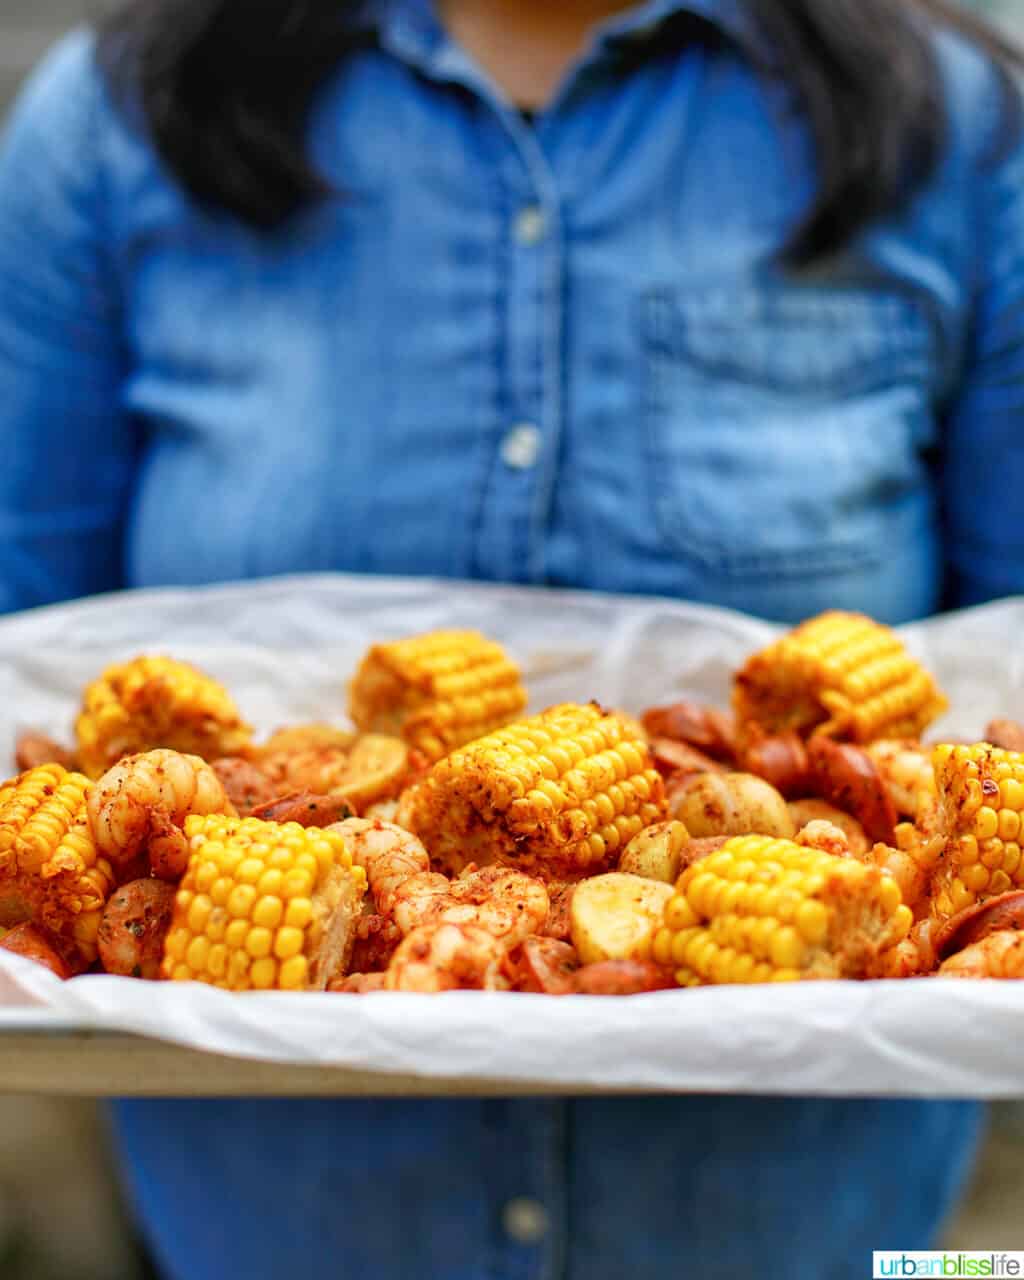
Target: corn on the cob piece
{"points": [[765, 910], [562, 791], [50, 869], [263, 905], [981, 800], [156, 702], [437, 691], [839, 674]]}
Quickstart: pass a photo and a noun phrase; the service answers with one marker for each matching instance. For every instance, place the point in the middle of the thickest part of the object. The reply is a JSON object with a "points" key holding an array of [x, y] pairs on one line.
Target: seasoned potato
{"points": [[655, 853], [613, 916], [731, 804]]}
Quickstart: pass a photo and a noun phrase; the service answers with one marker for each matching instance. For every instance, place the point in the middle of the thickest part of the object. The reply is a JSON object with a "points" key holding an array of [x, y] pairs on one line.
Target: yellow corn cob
{"points": [[981, 800], [567, 789], [839, 674], [437, 691], [156, 702], [263, 905], [765, 910], [50, 870]]}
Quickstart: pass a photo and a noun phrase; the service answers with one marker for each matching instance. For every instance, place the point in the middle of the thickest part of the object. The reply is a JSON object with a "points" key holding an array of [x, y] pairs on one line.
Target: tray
{"points": [[285, 647]]}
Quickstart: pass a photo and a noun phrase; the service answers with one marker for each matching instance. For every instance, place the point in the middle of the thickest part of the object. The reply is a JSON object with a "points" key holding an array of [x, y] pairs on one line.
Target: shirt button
{"points": [[531, 225], [525, 1220], [521, 447]]}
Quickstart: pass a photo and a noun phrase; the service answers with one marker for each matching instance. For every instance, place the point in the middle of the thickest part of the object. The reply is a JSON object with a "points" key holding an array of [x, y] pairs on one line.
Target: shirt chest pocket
{"points": [[784, 428]]}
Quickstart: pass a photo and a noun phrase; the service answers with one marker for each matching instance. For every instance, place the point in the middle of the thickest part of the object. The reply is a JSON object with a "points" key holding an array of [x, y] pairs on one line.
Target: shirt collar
{"points": [[411, 27]]}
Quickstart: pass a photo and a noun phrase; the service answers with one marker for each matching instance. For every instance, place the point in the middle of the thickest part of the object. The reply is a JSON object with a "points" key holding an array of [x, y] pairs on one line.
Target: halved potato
{"points": [[655, 853], [731, 804], [613, 917]]}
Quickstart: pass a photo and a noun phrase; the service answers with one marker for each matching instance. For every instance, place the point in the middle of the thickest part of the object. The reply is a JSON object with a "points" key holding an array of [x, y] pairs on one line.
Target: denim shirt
{"points": [[553, 352], [561, 353]]}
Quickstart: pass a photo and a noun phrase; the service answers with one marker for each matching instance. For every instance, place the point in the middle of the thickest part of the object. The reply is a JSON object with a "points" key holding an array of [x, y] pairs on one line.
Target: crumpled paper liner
{"points": [[285, 648]]}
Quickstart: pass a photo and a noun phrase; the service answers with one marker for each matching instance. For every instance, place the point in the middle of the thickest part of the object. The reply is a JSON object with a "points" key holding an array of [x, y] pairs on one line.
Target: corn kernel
{"points": [[293, 973], [262, 973], [240, 900], [298, 913], [288, 942], [788, 949]]}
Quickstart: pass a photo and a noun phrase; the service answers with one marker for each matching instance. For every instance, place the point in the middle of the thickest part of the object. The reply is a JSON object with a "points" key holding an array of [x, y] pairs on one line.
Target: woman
{"points": [[719, 299]]}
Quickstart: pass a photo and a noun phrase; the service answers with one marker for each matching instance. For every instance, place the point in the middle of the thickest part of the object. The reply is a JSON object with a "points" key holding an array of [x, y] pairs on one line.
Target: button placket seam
{"points": [[552, 326]]}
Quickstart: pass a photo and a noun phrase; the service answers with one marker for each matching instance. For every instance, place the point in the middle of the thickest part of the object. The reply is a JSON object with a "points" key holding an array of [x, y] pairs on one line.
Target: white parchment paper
{"points": [[285, 649]]}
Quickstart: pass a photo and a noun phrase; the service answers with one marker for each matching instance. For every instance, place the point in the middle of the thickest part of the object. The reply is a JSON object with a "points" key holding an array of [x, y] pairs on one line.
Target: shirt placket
{"points": [[525, 1162], [517, 499]]}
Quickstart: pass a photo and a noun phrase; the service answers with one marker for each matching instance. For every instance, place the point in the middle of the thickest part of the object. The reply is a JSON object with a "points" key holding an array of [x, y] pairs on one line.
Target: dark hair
{"points": [[225, 87]]}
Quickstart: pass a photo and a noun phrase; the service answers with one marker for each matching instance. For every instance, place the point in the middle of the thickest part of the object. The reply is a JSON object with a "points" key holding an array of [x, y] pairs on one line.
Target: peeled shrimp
{"points": [[389, 854], [911, 862], [447, 957], [357, 984], [998, 955], [806, 811], [507, 903], [140, 805], [821, 834], [912, 957], [907, 774]]}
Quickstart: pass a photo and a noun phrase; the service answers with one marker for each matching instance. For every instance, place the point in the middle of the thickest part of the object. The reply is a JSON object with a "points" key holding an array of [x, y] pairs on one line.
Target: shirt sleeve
{"points": [[68, 453], [983, 462]]}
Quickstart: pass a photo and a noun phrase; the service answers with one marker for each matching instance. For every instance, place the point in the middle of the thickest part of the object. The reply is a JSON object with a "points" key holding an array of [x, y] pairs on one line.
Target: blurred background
{"points": [[61, 1216]]}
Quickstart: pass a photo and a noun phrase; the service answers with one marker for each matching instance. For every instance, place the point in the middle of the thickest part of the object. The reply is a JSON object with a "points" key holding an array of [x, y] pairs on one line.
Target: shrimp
{"points": [[374, 944], [508, 904], [911, 861], [914, 956], [998, 955], [388, 854], [133, 926], [821, 834], [907, 774], [357, 984], [447, 957], [140, 806], [806, 811]]}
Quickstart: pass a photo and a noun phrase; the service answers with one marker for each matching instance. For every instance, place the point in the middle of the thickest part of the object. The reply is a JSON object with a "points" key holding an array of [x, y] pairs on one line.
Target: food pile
{"points": [[448, 842]]}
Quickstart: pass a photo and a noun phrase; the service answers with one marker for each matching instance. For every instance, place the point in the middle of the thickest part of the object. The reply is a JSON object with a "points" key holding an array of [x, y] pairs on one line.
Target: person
{"points": [[718, 299]]}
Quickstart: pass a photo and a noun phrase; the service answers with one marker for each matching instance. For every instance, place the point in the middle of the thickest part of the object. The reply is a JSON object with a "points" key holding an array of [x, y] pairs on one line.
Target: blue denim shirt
{"points": [[558, 353]]}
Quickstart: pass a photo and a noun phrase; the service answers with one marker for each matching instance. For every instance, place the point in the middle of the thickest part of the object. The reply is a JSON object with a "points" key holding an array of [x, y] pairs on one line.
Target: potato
{"points": [[655, 852], [731, 804], [612, 916]]}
